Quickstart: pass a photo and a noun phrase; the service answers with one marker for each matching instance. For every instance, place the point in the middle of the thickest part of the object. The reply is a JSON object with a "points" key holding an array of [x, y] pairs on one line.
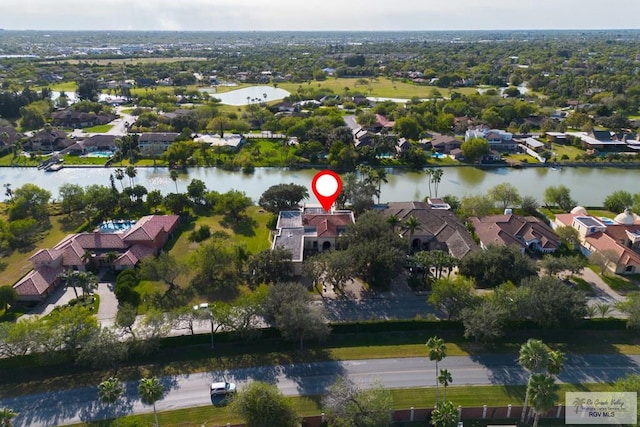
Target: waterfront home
{"points": [[115, 244], [48, 141], [498, 139], [525, 232], [156, 139], [308, 230], [230, 141], [445, 144], [438, 229], [618, 239], [94, 143]]}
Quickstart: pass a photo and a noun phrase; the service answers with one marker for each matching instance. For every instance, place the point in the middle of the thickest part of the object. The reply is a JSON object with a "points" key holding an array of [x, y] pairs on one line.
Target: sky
{"points": [[336, 15]]}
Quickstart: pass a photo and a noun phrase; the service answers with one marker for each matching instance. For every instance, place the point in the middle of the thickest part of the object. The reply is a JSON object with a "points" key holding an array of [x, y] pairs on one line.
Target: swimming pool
{"points": [[438, 155], [99, 154], [117, 225], [606, 221]]}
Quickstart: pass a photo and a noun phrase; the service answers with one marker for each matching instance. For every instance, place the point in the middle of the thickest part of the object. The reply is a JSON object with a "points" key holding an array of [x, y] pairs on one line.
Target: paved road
{"points": [[80, 405]]}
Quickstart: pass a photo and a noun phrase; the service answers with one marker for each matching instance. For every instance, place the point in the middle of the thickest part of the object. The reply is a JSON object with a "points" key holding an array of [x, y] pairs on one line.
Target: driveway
{"points": [[108, 304], [60, 297], [604, 293]]}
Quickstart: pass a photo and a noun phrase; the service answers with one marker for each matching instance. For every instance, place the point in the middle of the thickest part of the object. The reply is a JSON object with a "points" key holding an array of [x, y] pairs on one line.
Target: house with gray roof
{"points": [[439, 229], [525, 232]]}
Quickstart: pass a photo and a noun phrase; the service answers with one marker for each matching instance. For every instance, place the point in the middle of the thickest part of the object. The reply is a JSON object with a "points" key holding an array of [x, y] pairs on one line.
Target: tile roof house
{"points": [[123, 249], [79, 119], [94, 143], [48, 141], [310, 229], [617, 239], [445, 144], [12, 136], [526, 232], [163, 139], [498, 139], [440, 229], [230, 141]]}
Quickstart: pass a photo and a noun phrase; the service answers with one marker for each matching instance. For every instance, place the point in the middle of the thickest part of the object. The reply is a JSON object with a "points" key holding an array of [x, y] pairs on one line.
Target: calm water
{"points": [[249, 95], [589, 186]]}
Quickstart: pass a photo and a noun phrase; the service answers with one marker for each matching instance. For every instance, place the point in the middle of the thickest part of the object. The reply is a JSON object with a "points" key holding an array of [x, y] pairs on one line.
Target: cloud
{"points": [[247, 15]]}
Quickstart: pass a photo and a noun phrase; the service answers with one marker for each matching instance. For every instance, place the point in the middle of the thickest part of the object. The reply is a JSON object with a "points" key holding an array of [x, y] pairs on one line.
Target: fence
{"points": [[485, 412]]}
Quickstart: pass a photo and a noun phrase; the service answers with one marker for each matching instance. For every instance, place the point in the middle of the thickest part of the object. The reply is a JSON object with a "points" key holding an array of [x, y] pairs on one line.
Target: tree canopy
{"points": [[282, 197]]}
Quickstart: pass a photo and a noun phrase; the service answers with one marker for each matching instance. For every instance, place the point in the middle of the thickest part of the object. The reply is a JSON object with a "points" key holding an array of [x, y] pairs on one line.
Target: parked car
{"points": [[222, 388]]}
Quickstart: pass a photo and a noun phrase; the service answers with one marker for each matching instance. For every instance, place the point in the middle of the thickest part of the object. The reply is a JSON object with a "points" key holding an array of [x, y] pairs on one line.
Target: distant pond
{"points": [[248, 95]]}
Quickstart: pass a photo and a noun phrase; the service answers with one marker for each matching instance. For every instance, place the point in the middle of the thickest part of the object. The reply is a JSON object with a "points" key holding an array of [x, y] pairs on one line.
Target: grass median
{"points": [[25, 376], [312, 405]]}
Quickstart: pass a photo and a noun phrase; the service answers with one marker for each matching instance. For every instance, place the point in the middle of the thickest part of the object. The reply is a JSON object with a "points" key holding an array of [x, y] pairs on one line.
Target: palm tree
{"points": [[544, 394], [119, 173], [174, 177], [87, 281], [603, 308], [445, 379], [556, 362], [411, 224], [150, 391], [445, 414], [429, 173], [131, 172], [70, 281], [537, 358], [379, 177], [394, 221], [8, 191], [6, 415], [436, 177], [437, 352], [109, 392]]}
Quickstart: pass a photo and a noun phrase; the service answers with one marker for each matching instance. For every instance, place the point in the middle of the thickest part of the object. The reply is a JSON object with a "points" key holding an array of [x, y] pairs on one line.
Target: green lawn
{"points": [[98, 129], [70, 159], [9, 160], [466, 396], [252, 232], [569, 150], [64, 87], [18, 263], [382, 87], [524, 158]]}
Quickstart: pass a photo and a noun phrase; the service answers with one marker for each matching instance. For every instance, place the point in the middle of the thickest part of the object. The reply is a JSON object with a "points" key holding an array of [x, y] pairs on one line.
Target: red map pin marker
{"points": [[326, 185]]}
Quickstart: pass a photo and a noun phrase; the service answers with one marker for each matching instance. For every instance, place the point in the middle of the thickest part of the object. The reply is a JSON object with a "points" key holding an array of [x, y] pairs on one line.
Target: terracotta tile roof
{"points": [[44, 256], [619, 232], [384, 122], [38, 281], [602, 242], [133, 255], [100, 241], [148, 227], [566, 219], [327, 224]]}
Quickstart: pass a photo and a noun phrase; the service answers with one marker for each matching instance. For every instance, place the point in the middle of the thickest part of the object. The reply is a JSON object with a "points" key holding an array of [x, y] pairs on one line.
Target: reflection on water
{"points": [[589, 186], [470, 175]]}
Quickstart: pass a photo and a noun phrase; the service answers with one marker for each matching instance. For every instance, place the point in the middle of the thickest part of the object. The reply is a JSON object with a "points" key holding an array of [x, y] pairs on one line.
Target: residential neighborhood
{"points": [[167, 254]]}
